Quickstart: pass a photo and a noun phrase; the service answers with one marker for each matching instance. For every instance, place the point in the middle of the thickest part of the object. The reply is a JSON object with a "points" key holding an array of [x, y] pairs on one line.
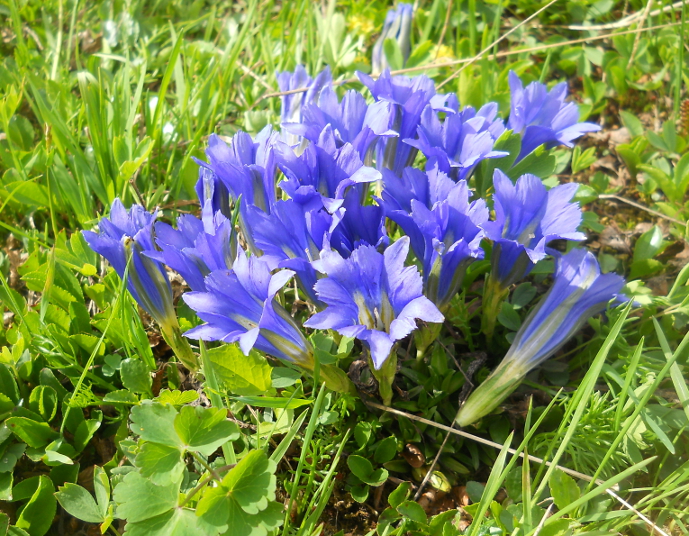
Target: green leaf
{"points": [[79, 503], [136, 376], [252, 482], [385, 450], [6, 481], [101, 487], [508, 317], [364, 471], [121, 396], [581, 161], [273, 402], [139, 499], [43, 400], [648, 244], [284, 377], [412, 510], [155, 422], [563, 488], [37, 516], [241, 374], [8, 385], [176, 398], [161, 463], [632, 123], [178, 522], [360, 493], [35, 434], [540, 163], [204, 429], [244, 501], [400, 494]]}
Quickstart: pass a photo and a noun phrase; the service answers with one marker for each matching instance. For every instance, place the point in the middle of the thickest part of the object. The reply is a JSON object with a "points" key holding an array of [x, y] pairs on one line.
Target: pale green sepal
{"points": [[488, 396]]}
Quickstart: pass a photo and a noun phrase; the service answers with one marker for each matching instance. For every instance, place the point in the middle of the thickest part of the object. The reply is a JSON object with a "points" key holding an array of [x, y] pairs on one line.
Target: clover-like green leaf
{"points": [[204, 429], [175, 397], [139, 499], [155, 422], [252, 482], [161, 463], [177, 522], [245, 500]]}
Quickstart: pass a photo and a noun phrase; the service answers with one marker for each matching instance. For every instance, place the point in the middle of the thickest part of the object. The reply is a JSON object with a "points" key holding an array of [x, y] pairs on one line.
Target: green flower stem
{"points": [[213, 393], [386, 376], [493, 296], [488, 396], [180, 346]]}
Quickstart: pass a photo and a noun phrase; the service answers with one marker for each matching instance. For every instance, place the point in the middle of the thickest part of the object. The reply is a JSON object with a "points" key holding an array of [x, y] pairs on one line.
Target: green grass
{"points": [[115, 99]]}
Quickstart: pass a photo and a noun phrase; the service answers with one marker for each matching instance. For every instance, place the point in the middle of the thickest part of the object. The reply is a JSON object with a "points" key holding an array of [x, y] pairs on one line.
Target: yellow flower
{"points": [[361, 25]]}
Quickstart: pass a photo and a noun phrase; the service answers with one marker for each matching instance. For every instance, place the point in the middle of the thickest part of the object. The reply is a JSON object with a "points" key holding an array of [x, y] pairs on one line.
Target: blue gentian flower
{"points": [[128, 234], [197, 247], [461, 141], [239, 306], [543, 117], [359, 224], [246, 167], [351, 120], [397, 26], [320, 176], [445, 233], [579, 292], [527, 217], [409, 97], [292, 236], [373, 297], [212, 193], [292, 104]]}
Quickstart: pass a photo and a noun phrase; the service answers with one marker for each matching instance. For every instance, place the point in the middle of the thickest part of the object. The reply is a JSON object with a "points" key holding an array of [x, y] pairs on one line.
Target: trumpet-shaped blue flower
{"points": [[527, 217], [444, 229], [543, 117], [373, 297], [212, 193], [579, 292], [461, 141], [197, 247], [293, 104], [351, 120], [291, 237], [397, 26], [410, 96], [246, 167], [128, 234], [358, 224], [323, 172], [239, 306]]}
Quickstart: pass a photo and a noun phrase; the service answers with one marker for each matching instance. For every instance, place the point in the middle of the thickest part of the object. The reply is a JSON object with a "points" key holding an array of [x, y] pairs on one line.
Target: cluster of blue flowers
{"points": [[335, 201]]}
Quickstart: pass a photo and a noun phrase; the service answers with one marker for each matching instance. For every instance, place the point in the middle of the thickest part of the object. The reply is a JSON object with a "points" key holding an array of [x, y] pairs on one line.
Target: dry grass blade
{"points": [[478, 439], [642, 207]]}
